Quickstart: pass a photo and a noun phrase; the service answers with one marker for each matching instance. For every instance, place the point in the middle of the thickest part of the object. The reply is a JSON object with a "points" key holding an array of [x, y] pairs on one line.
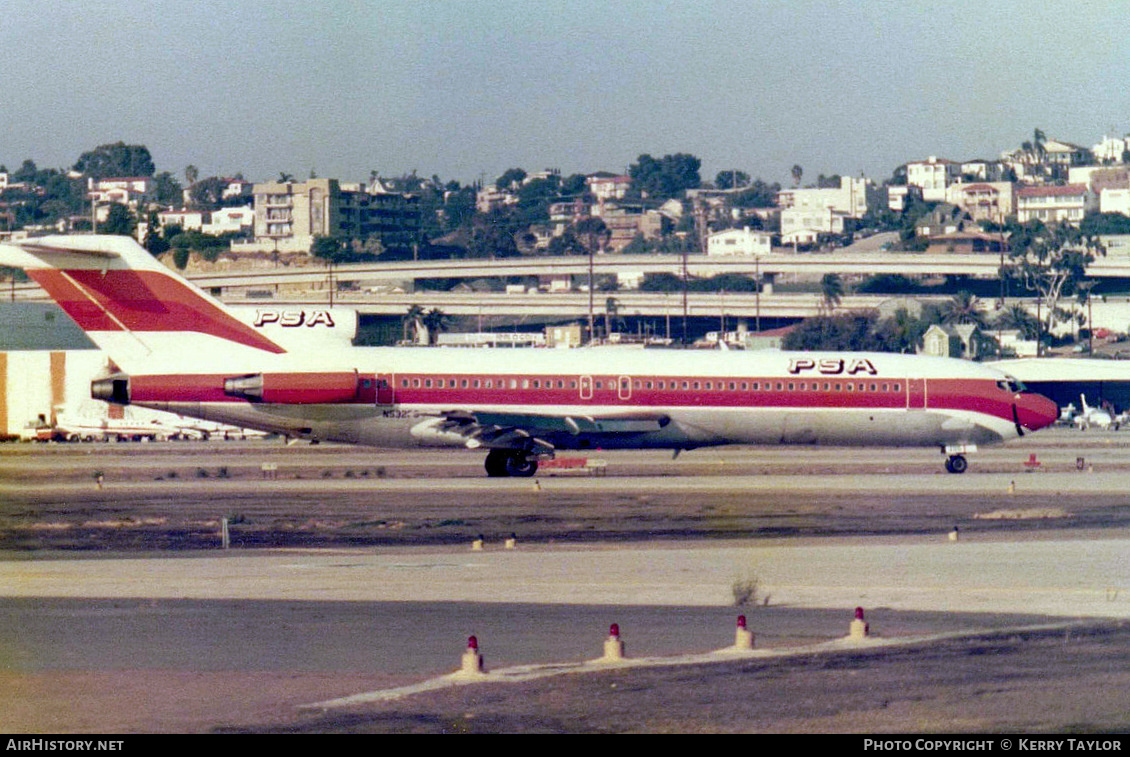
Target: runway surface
{"points": [[137, 636]]}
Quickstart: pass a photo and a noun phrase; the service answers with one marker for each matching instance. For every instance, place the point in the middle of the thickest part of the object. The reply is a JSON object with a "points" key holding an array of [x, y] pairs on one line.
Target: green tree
{"points": [[509, 178], [154, 241], [207, 194], [119, 220], [115, 160], [963, 307], [168, 191], [435, 321], [670, 176], [329, 249], [844, 331], [731, 179], [831, 291], [1052, 261], [493, 237], [797, 173], [1017, 317]]}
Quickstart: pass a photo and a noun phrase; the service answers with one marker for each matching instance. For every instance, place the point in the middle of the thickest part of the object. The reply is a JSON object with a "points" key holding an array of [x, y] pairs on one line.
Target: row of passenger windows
{"points": [[744, 386]]}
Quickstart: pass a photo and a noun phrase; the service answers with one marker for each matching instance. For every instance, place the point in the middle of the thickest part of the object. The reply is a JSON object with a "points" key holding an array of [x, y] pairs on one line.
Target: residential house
{"points": [[850, 198], [807, 214], [605, 187], [1100, 178], [982, 171], [135, 192], [1111, 149], [984, 201], [1048, 160], [566, 213], [943, 219], [968, 241], [899, 196], [956, 340], [489, 199], [932, 176], [231, 221], [625, 220], [739, 242], [1115, 201], [1054, 204], [1116, 245], [807, 226]]}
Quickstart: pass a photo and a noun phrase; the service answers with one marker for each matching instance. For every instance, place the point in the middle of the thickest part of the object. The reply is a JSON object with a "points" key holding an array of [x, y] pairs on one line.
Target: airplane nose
{"points": [[1035, 411]]}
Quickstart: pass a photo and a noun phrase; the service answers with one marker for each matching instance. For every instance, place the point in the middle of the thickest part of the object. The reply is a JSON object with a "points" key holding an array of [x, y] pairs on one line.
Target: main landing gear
{"points": [[502, 463]]}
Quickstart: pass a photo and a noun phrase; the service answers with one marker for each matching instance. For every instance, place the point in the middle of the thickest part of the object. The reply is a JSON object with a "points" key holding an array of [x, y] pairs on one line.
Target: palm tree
{"points": [[435, 321], [412, 321], [1017, 317], [797, 172], [963, 307], [832, 291]]}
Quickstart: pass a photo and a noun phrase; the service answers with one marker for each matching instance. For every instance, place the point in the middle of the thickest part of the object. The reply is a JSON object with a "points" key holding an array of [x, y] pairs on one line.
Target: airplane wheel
{"points": [[518, 465], [956, 464], [502, 463], [496, 463]]}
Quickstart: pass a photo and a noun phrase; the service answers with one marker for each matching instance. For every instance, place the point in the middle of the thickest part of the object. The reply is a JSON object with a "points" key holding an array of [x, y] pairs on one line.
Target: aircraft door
{"points": [[586, 387], [624, 387], [915, 394], [386, 395]]}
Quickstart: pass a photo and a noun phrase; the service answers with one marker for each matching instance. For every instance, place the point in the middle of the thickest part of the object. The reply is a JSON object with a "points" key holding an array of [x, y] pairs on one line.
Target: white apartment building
{"points": [[290, 215], [491, 198], [1054, 204], [1115, 201], [131, 191], [849, 199], [606, 188], [804, 226], [932, 176], [1110, 149], [739, 242]]}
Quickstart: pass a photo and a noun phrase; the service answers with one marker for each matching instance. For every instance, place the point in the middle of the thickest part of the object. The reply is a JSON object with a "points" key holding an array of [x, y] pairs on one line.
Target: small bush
{"points": [[745, 590]]}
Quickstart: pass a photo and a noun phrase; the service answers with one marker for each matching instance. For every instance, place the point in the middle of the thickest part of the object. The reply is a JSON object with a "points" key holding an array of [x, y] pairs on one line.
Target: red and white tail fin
{"points": [[135, 309]]}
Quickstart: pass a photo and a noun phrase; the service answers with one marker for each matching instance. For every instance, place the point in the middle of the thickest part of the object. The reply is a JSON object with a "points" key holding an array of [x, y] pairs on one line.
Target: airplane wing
{"points": [[508, 429]]}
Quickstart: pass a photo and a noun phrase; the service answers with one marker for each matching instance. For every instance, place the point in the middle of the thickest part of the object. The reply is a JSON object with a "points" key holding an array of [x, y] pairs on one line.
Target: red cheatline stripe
{"points": [[142, 301], [306, 388]]}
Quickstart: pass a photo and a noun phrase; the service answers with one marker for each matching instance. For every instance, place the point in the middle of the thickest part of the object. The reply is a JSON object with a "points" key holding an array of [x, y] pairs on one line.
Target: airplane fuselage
{"points": [[611, 398]]}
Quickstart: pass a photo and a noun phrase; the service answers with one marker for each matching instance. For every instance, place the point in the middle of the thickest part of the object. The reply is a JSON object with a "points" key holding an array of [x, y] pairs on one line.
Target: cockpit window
{"points": [[1012, 385]]}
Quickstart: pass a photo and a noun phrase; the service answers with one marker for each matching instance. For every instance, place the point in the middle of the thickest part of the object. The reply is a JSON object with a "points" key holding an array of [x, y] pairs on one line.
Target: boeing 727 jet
{"points": [[182, 351]]}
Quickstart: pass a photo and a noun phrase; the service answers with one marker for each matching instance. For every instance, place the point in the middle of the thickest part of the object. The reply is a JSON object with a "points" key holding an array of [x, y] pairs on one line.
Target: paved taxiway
{"points": [[388, 615]]}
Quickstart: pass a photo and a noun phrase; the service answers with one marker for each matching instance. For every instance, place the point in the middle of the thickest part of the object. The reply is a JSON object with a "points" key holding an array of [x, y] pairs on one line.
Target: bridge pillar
{"points": [[767, 280]]}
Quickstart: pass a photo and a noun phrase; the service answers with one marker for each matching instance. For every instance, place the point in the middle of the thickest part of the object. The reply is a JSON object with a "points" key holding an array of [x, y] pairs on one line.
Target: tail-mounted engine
{"points": [[295, 388]]}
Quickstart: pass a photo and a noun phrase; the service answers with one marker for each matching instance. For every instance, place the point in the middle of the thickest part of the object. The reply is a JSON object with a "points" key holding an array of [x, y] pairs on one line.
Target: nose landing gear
{"points": [[956, 464]]}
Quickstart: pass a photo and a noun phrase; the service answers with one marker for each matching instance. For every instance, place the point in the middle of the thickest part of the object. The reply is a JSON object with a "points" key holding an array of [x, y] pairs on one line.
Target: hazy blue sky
{"points": [[469, 89]]}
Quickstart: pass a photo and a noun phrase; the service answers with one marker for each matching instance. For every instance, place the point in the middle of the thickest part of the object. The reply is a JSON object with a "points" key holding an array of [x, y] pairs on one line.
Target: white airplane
{"points": [[1092, 416], [184, 352]]}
